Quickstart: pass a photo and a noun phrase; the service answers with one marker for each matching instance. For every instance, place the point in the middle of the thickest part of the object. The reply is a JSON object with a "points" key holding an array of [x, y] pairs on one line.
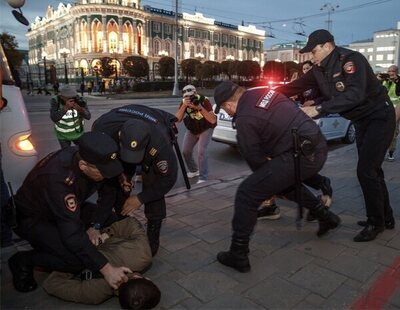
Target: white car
{"points": [[333, 127], [18, 153]]}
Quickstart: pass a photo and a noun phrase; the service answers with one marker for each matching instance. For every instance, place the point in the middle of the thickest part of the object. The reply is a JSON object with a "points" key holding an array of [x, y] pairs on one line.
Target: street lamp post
{"points": [[175, 92], [64, 54], [44, 54]]}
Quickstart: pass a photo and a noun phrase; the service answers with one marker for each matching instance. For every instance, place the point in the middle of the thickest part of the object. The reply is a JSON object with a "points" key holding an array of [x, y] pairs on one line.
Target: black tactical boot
{"points": [[153, 234], [327, 220], [22, 271], [237, 256]]}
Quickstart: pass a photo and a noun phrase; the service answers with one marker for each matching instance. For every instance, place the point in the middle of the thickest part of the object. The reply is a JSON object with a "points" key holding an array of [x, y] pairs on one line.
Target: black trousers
{"points": [[273, 178], [49, 249], [373, 136]]}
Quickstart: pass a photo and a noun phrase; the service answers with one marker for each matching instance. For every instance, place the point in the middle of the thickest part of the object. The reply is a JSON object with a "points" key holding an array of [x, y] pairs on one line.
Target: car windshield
{"points": [[6, 72]]}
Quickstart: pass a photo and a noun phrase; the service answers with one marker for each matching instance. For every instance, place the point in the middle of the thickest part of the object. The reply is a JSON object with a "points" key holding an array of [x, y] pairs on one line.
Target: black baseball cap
{"points": [[100, 150], [223, 92], [134, 138], [319, 36]]}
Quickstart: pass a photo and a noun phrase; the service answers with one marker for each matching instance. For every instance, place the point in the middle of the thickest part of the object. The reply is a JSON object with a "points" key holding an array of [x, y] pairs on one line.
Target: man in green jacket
{"points": [[392, 84], [124, 244], [68, 112]]}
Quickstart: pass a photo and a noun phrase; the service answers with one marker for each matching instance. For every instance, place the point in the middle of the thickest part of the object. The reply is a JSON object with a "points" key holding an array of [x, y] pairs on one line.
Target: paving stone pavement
{"points": [[291, 269]]}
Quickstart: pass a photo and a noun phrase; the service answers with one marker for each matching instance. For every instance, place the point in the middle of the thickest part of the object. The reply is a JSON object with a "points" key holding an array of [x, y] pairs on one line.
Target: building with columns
{"points": [[77, 36]]}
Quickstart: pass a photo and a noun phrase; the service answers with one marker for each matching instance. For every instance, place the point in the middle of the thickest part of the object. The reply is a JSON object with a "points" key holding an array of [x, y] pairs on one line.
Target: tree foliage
{"points": [[249, 69], [136, 66], [230, 67], [106, 67], [10, 46], [188, 67], [273, 70], [166, 66], [215, 67]]}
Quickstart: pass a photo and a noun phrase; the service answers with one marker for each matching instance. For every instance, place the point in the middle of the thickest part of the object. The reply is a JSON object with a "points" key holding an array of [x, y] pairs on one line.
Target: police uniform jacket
{"points": [[160, 158], [127, 246], [53, 192], [264, 119], [347, 83]]}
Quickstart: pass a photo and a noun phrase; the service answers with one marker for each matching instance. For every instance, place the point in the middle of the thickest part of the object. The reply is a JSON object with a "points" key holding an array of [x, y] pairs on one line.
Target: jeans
{"points": [[189, 142]]}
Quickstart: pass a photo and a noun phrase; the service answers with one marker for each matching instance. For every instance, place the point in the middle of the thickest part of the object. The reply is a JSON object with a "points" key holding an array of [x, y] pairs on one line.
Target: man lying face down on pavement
{"points": [[125, 244]]}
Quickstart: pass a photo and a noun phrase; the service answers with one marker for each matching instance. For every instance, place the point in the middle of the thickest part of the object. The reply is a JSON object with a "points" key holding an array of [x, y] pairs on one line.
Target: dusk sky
{"points": [[352, 20]]}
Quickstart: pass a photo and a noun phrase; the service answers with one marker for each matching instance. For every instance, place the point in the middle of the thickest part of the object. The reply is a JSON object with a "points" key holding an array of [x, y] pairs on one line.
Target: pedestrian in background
{"points": [[68, 112], [349, 87], [392, 84], [196, 112]]}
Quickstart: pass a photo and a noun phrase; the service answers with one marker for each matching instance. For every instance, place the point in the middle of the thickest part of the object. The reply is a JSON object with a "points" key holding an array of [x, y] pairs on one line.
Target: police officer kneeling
{"points": [[49, 207], [264, 119]]}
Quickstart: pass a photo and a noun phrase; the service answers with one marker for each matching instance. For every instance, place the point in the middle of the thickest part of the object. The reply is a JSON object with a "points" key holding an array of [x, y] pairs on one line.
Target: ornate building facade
{"points": [[75, 37]]}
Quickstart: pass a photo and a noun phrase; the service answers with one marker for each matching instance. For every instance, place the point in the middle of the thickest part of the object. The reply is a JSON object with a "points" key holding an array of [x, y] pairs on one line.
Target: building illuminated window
{"points": [[198, 49], [370, 50], [205, 52], [385, 48], [99, 41], [390, 57], [192, 51], [362, 50], [84, 38], [156, 47], [112, 41], [379, 57], [168, 48]]}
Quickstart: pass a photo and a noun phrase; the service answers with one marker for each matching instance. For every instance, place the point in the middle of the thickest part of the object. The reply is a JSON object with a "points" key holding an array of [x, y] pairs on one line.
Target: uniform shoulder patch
{"points": [[265, 101], [162, 166], [349, 67], [70, 202]]}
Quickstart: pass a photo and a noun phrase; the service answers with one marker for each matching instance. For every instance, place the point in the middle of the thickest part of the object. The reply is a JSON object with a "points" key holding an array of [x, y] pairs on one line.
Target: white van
{"points": [[18, 153]]}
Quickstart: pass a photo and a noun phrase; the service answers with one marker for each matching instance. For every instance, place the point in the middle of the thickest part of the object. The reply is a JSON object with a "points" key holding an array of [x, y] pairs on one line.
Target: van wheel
{"points": [[350, 136]]}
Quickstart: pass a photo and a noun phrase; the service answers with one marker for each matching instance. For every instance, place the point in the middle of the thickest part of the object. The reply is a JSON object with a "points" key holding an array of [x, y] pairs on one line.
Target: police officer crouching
{"points": [[49, 209], [264, 119]]}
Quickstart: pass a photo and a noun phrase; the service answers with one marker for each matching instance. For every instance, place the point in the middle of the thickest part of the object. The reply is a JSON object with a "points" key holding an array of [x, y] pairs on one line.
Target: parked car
{"points": [[332, 126], [18, 153]]}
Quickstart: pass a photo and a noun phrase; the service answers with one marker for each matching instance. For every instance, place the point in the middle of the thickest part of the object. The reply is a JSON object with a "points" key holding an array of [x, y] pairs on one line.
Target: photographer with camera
{"points": [[391, 80], [199, 119], [68, 111]]}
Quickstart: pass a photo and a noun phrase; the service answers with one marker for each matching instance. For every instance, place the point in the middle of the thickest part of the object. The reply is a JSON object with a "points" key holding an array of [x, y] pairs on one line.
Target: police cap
{"points": [[100, 150], [223, 92], [134, 138], [319, 36]]}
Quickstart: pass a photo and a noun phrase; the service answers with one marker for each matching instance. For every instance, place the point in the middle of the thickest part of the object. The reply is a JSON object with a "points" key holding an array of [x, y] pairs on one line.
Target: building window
{"points": [[197, 34], [232, 39], [204, 35], [205, 52], [198, 49], [192, 51], [379, 57], [370, 50], [168, 48], [156, 47], [370, 58], [251, 43], [244, 42], [167, 28], [390, 57], [385, 48], [156, 27], [216, 37], [362, 50], [191, 32], [113, 41], [224, 38]]}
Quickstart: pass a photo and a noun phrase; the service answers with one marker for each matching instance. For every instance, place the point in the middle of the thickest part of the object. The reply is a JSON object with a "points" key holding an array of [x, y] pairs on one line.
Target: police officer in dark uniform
{"points": [[264, 119], [50, 206], [349, 87], [144, 136]]}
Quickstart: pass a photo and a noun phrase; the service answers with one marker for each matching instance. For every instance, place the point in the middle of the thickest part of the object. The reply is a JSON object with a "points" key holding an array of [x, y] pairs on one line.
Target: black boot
{"points": [[389, 224], [22, 271], [370, 232], [237, 256], [327, 220], [153, 234]]}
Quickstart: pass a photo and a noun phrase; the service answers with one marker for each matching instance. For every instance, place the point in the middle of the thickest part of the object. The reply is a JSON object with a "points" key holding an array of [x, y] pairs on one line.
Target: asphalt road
{"points": [[223, 160]]}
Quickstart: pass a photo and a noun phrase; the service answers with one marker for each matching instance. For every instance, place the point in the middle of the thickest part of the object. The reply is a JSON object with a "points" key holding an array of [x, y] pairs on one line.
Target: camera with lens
{"points": [[196, 99], [79, 101], [384, 76]]}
